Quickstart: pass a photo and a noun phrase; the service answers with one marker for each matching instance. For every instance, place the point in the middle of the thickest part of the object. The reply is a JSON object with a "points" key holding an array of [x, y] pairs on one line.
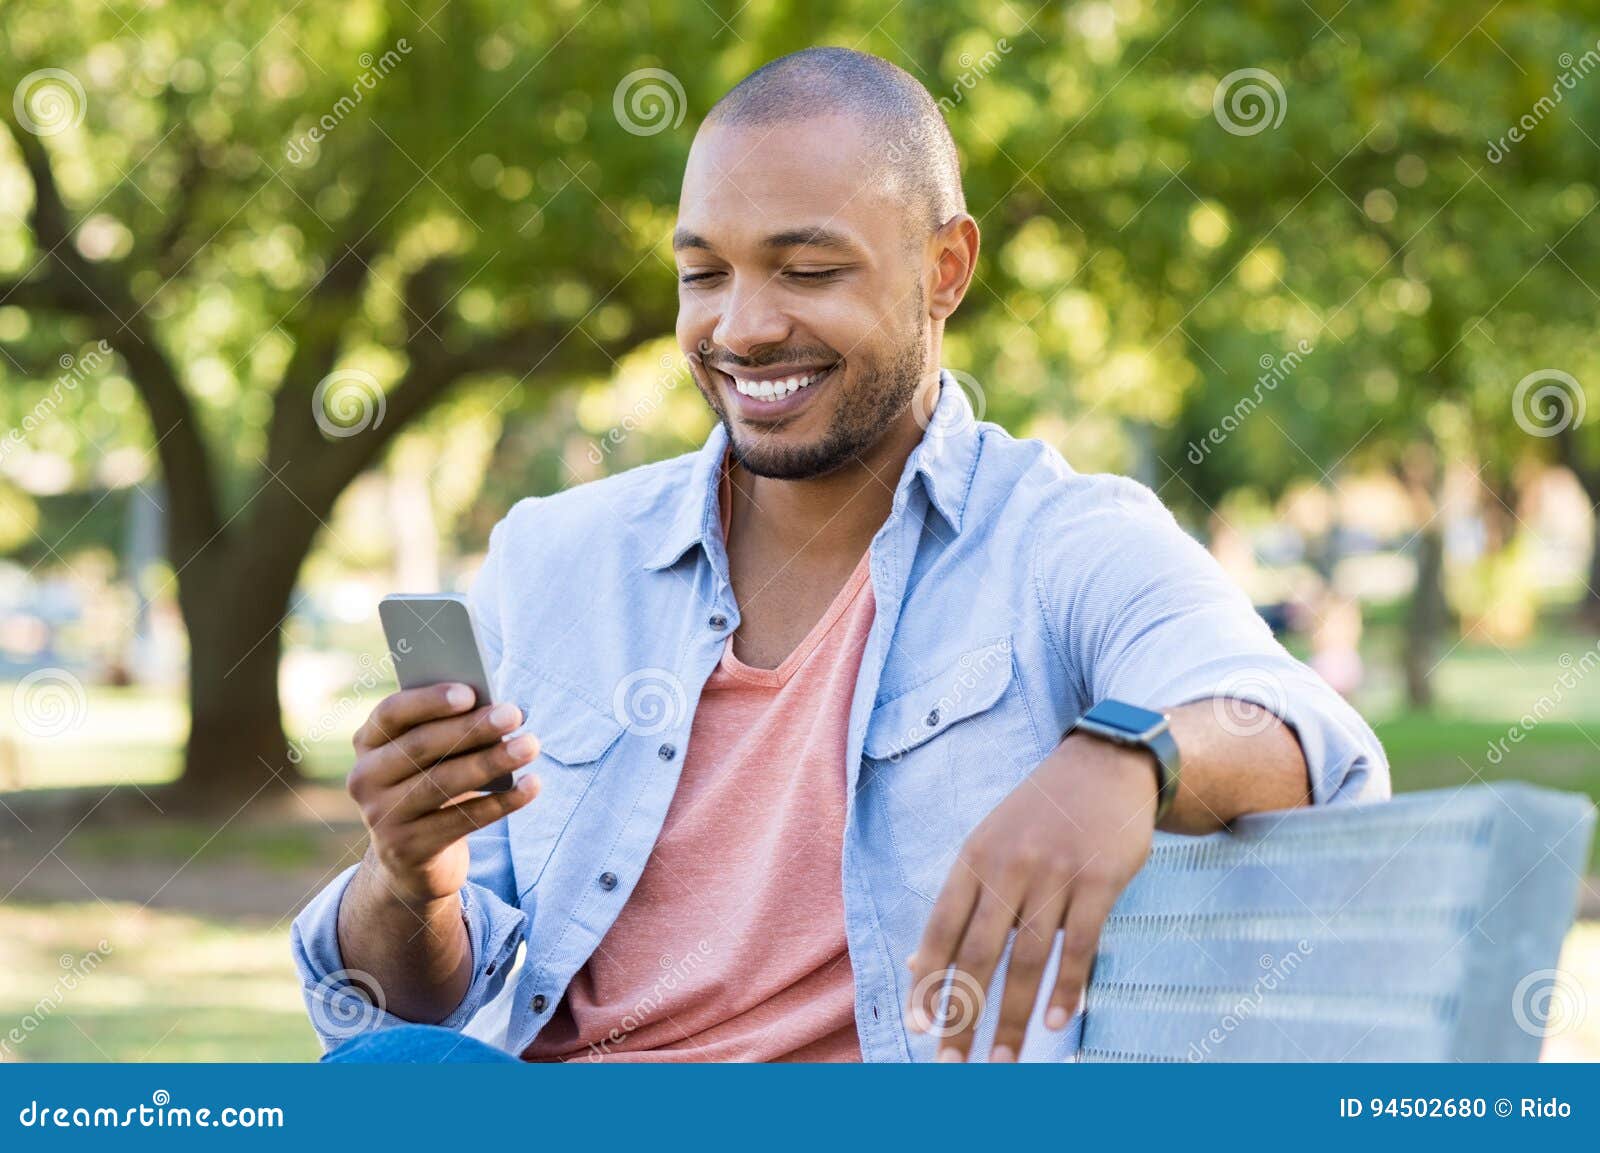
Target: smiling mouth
{"points": [[773, 390]]}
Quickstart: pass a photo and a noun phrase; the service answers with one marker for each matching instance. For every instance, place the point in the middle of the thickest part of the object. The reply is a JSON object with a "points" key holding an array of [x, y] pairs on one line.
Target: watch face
{"points": [[1129, 719]]}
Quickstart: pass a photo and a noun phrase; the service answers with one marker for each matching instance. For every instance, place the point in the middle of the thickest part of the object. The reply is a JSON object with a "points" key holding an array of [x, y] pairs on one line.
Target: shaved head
{"points": [[916, 155]]}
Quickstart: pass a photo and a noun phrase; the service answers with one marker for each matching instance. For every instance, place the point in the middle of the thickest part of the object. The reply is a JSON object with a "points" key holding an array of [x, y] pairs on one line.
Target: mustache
{"points": [[814, 354]]}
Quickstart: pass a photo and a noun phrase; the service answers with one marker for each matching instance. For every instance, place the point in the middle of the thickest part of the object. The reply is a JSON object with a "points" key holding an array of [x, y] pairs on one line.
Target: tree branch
{"points": [[71, 284]]}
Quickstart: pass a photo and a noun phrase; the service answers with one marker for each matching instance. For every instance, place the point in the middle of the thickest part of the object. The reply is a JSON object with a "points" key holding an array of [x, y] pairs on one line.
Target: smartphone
{"points": [[432, 641]]}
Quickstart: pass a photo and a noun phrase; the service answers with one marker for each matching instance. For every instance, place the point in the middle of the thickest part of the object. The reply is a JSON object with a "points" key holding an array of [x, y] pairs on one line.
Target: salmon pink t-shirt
{"points": [[732, 945]]}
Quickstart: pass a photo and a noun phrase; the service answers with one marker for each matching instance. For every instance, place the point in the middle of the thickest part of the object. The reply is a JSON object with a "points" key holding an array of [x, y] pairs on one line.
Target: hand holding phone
{"points": [[423, 758]]}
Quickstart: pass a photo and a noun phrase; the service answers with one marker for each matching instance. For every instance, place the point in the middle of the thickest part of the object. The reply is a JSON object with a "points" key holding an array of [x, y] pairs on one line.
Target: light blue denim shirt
{"points": [[1012, 594]]}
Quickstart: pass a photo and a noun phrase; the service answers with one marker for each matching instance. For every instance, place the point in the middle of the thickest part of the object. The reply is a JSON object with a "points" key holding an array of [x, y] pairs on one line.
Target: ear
{"points": [[952, 259]]}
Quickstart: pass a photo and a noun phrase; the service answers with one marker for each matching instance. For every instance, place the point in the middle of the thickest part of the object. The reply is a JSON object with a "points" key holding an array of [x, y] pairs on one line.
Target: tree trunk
{"points": [[233, 608], [1425, 619], [1427, 614], [1589, 605]]}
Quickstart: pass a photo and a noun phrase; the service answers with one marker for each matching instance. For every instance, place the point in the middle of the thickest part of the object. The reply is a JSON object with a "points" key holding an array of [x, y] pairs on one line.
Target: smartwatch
{"points": [[1126, 724]]}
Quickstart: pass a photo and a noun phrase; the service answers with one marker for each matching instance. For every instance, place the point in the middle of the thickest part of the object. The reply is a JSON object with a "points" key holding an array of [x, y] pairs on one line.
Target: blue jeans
{"points": [[416, 1045]]}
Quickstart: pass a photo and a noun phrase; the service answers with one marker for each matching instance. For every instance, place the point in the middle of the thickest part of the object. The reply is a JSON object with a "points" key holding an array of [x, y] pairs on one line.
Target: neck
{"points": [[836, 515]]}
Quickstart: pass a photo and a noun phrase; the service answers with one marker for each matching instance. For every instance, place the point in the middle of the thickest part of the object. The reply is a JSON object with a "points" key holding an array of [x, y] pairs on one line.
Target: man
{"points": [[796, 702]]}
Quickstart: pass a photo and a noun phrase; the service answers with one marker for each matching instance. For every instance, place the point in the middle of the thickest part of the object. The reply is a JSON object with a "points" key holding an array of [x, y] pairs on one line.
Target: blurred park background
{"points": [[296, 300]]}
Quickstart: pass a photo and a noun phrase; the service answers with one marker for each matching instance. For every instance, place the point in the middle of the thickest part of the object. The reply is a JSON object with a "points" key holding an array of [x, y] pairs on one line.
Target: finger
{"points": [[457, 776], [976, 960], [1030, 953], [408, 708], [426, 745], [438, 831], [1086, 916], [940, 937]]}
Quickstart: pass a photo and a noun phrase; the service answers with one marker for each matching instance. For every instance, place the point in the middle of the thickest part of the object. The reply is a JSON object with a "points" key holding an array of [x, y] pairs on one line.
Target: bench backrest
{"points": [[1425, 928]]}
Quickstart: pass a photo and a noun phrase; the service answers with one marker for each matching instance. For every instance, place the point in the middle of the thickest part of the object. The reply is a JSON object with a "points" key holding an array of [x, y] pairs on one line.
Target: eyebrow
{"points": [[789, 238]]}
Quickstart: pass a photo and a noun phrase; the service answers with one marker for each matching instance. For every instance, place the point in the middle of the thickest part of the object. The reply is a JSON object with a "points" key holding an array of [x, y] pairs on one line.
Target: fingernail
{"points": [[1056, 1018], [458, 697], [947, 1055], [915, 1020], [1002, 1054], [522, 748], [504, 716], [911, 961]]}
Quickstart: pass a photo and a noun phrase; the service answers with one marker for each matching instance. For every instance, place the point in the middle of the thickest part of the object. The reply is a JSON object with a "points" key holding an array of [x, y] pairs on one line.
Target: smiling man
{"points": [[847, 730]]}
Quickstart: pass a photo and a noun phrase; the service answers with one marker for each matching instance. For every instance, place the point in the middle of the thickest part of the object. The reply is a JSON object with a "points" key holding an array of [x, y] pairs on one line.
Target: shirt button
{"points": [[667, 752], [718, 621], [932, 718], [608, 881], [538, 1002]]}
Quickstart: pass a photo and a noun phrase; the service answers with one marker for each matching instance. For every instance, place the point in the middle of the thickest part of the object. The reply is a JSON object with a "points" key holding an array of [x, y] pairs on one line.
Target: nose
{"points": [[751, 319]]}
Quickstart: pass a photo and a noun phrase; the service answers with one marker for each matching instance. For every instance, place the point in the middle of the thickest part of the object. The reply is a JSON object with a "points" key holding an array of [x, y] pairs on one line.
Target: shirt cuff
{"points": [[1344, 759], [344, 1003]]}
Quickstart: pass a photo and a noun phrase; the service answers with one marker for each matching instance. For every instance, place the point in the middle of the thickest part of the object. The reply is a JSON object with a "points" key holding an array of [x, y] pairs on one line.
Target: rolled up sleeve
{"points": [[1146, 615], [343, 1003]]}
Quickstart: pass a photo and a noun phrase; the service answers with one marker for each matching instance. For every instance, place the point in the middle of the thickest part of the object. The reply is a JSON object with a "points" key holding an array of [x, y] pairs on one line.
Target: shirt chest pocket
{"points": [[938, 756], [575, 739]]}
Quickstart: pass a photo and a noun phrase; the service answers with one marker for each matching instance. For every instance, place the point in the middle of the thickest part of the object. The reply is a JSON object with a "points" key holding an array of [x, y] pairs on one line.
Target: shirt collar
{"points": [[945, 458]]}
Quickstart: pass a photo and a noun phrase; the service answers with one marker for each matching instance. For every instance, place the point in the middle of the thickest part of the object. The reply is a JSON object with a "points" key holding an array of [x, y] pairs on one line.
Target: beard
{"points": [[864, 413]]}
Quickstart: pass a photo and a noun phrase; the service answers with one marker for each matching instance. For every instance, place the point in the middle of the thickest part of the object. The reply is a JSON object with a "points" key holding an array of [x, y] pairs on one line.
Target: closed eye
{"points": [[812, 274]]}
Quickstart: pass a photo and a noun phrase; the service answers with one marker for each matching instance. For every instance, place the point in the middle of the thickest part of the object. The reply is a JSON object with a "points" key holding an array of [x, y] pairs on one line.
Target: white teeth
{"points": [[775, 389]]}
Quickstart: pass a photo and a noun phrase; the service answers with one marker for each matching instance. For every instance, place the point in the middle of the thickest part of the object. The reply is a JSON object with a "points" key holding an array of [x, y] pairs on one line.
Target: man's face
{"points": [[800, 296]]}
